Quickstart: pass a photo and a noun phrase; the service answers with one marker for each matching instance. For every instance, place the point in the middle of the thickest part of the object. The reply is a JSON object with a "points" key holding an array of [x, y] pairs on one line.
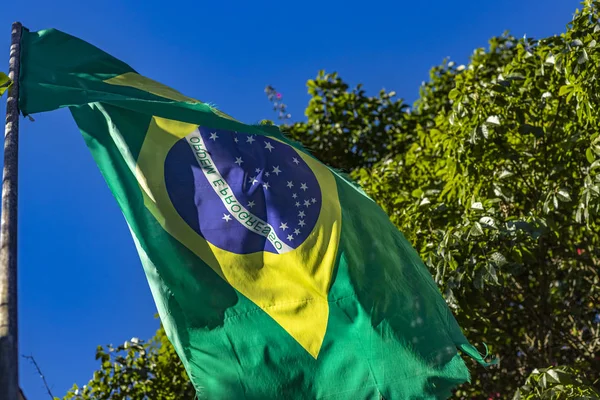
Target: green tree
{"points": [[494, 176], [137, 370]]}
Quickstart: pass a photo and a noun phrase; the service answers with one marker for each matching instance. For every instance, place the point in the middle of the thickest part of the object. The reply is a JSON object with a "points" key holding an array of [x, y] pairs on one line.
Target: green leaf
{"points": [[491, 274], [485, 131], [498, 259], [477, 205], [563, 195], [565, 90], [417, 193], [576, 43], [487, 221], [476, 229], [590, 155], [454, 93], [493, 120], [583, 57]]}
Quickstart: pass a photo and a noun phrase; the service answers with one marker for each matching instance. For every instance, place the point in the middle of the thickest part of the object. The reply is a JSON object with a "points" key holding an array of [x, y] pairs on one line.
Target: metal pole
{"points": [[9, 349]]}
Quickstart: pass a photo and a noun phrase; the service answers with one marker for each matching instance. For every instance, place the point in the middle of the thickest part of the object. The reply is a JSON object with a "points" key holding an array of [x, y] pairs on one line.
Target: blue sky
{"points": [[80, 281]]}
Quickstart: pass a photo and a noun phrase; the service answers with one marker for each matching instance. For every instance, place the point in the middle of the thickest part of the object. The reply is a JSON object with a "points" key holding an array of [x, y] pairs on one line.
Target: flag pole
{"points": [[9, 350]]}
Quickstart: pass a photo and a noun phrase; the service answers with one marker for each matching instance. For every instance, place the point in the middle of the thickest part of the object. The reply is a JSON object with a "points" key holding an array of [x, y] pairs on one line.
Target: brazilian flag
{"points": [[274, 275]]}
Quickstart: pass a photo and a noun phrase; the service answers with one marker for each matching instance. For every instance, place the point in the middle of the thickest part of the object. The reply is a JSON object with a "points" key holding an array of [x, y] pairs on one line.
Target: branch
{"points": [[37, 367]]}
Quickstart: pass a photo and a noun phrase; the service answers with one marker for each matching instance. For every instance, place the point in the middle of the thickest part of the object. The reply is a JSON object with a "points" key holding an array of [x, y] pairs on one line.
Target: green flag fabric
{"points": [[274, 275]]}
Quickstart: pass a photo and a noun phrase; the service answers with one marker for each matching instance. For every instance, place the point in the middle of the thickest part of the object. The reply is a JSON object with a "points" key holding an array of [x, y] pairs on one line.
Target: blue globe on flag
{"points": [[242, 193]]}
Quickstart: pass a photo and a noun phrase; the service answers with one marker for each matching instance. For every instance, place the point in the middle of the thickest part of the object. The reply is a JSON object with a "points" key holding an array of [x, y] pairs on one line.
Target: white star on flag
{"points": [[303, 186], [250, 204], [290, 184], [269, 146], [296, 231], [297, 204], [266, 185], [301, 223], [301, 214], [283, 226], [239, 161], [250, 139], [290, 237], [267, 174], [257, 170], [276, 170], [226, 217], [294, 196], [313, 200], [213, 136], [295, 160], [306, 203], [235, 140]]}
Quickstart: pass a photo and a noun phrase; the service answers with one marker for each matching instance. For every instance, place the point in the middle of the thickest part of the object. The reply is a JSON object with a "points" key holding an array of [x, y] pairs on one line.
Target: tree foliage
{"points": [[494, 176], [137, 370], [555, 383]]}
